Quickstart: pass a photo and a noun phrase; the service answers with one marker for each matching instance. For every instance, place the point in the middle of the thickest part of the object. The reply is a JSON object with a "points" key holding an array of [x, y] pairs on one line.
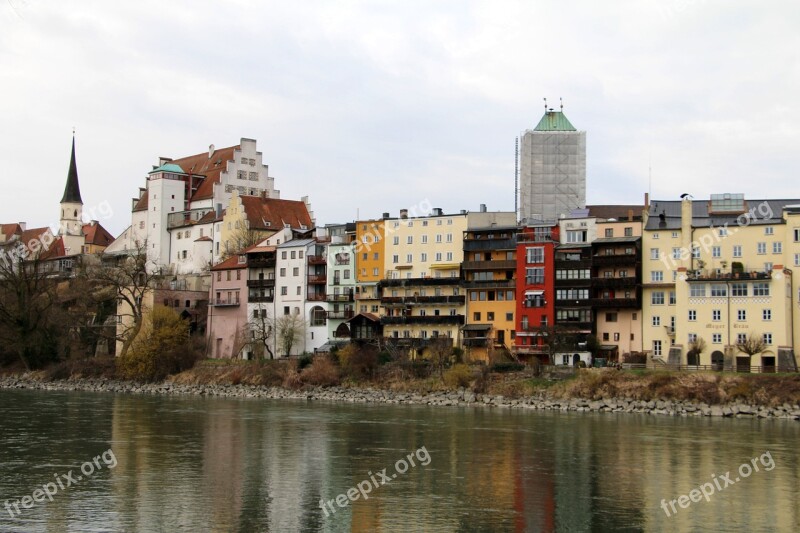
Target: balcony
{"points": [[670, 330], [489, 265], [475, 342], [615, 303], [535, 237], [316, 259], [258, 261], [426, 319], [419, 282], [614, 283], [260, 283], [411, 342], [573, 302], [317, 279], [421, 300], [344, 315], [480, 245], [367, 296], [491, 284], [615, 260], [574, 326], [585, 282], [260, 299], [346, 297], [573, 263], [225, 303], [316, 297], [713, 275]]}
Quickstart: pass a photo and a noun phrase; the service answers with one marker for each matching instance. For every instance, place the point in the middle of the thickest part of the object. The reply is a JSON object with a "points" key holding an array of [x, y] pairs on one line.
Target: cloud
{"points": [[371, 106]]}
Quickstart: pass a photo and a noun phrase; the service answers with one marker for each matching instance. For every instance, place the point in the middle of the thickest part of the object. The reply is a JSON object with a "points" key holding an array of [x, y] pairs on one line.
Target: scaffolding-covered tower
{"points": [[552, 171]]}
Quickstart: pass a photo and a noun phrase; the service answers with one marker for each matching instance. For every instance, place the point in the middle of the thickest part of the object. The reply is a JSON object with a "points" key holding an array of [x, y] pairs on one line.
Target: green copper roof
{"points": [[554, 121], [168, 167]]}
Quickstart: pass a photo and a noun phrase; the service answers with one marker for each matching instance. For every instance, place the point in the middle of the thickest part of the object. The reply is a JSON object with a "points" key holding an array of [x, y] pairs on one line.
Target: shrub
{"points": [[384, 357], [304, 360], [459, 375], [502, 367], [160, 349], [321, 373]]}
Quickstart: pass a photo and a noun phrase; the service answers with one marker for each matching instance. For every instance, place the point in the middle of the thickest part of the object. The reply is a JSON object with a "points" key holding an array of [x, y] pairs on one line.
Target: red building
{"points": [[535, 289]]}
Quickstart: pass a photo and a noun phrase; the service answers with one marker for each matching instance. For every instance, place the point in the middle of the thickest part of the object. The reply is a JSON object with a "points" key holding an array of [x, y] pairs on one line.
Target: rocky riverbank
{"points": [[460, 397]]}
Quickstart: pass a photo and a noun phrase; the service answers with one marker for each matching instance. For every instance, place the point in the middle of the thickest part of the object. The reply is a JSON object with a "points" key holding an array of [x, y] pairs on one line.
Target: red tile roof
{"points": [[34, 233], [9, 230], [210, 167], [55, 250], [274, 213], [231, 263], [97, 234]]}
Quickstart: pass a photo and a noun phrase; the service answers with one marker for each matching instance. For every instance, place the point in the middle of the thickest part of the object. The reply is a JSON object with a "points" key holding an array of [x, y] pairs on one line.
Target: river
{"points": [[92, 462]]}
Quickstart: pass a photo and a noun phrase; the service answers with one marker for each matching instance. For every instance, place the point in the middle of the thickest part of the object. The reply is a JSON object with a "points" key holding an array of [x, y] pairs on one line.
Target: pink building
{"points": [[227, 307]]}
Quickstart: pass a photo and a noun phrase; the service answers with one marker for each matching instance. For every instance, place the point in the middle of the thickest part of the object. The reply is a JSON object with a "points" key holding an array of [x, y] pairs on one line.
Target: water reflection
{"points": [[200, 464]]}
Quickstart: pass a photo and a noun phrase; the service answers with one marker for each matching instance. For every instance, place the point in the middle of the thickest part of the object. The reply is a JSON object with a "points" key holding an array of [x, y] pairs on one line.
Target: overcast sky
{"points": [[374, 106]]}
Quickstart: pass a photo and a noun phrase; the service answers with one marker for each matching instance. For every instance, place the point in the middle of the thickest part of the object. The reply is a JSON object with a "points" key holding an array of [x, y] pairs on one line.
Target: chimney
{"points": [[630, 215], [404, 214], [463, 211], [263, 195], [437, 211], [646, 200], [483, 208], [210, 150], [385, 215], [23, 225]]}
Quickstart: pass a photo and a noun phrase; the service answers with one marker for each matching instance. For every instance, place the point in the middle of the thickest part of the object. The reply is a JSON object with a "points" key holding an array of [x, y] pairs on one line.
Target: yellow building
{"points": [[616, 286], [369, 249], [489, 281], [715, 274]]}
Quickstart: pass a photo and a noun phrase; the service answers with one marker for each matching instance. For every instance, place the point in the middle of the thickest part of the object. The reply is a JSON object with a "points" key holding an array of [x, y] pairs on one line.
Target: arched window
{"points": [[75, 214]]}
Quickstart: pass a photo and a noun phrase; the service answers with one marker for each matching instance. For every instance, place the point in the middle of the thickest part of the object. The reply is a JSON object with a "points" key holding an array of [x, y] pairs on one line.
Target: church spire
{"points": [[72, 192]]}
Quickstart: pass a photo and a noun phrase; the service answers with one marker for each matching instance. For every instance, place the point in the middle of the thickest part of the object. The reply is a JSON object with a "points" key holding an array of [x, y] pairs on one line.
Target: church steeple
{"points": [[72, 192]]}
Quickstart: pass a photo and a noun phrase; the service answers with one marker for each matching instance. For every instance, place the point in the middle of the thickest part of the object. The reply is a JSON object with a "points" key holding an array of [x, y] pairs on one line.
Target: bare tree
{"points": [[696, 347], [290, 330], [28, 301], [261, 330], [126, 278], [557, 339], [752, 345], [240, 238], [440, 350]]}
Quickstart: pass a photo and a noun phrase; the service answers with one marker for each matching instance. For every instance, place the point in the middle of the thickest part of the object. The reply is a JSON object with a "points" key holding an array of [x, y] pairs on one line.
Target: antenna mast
{"points": [[516, 177]]}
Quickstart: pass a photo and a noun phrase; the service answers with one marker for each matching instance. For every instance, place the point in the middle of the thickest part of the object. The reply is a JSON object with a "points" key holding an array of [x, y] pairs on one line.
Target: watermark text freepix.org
{"points": [[373, 481], [719, 484], [62, 482]]}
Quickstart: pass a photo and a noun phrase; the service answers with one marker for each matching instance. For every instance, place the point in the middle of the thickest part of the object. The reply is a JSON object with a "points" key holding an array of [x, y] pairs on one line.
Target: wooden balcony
{"points": [[427, 319]]}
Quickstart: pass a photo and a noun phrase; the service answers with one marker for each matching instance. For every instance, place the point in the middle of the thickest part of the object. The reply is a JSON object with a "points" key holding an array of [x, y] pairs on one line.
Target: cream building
{"points": [[722, 270]]}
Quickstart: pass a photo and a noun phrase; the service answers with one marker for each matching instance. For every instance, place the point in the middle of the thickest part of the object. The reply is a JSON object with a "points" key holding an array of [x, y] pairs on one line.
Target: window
{"points": [[655, 235], [718, 289], [656, 275], [656, 320], [284, 291], [723, 232], [282, 272], [423, 257], [741, 315], [611, 317], [761, 248], [283, 254], [737, 250], [695, 252], [534, 275], [534, 255], [476, 316], [629, 231], [716, 315], [509, 317], [796, 259], [294, 254], [449, 256], [449, 237], [410, 239], [777, 247], [672, 298], [692, 315], [741, 338], [767, 266], [676, 253], [760, 289], [739, 289], [395, 259], [654, 253], [697, 290], [609, 232], [692, 338], [490, 316], [438, 237], [657, 298], [424, 239], [767, 338], [716, 251], [796, 234], [438, 256], [769, 230], [409, 258], [396, 240], [674, 234], [766, 314], [296, 271], [657, 348], [716, 338]]}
